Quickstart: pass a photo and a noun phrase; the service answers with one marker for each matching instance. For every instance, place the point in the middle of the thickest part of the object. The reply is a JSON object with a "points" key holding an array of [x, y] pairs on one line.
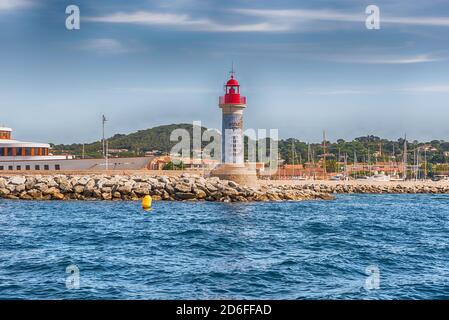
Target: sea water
{"points": [[356, 247]]}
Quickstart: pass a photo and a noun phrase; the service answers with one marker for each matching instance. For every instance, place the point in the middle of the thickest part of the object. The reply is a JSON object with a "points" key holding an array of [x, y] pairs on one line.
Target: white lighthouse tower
{"points": [[232, 105], [233, 165]]}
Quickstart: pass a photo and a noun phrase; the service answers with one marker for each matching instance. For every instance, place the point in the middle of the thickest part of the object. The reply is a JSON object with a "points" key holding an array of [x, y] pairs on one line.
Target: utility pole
{"points": [[425, 163], [324, 154], [103, 121], [83, 152], [107, 164]]}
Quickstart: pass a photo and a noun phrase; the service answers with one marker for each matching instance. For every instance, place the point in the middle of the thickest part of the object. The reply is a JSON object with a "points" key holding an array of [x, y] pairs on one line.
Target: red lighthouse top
{"points": [[232, 92]]}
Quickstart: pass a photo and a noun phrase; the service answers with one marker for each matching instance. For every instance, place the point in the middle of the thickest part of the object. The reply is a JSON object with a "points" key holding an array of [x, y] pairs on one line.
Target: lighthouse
{"points": [[233, 166], [232, 105]]}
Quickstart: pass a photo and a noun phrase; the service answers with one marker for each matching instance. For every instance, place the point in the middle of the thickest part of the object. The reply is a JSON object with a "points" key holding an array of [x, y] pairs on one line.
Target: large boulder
{"points": [[185, 195], [35, 194], [16, 180], [183, 187], [30, 182], [4, 192], [200, 194], [78, 189]]}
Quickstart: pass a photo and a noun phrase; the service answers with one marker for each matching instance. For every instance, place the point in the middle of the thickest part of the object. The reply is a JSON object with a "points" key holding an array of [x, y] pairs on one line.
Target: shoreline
{"points": [[193, 187], [361, 186]]}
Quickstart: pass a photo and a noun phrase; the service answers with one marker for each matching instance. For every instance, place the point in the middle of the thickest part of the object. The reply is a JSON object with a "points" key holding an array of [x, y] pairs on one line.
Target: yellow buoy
{"points": [[146, 202]]}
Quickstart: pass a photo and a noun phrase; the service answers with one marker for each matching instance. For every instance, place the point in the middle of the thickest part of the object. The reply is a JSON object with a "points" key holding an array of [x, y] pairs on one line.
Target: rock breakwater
{"points": [[186, 187], [133, 187], [387, 187]]}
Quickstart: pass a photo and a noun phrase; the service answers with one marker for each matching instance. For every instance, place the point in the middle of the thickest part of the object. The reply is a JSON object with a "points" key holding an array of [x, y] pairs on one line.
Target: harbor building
{"points": [[34, 156], [13, 148], [20, 155]]}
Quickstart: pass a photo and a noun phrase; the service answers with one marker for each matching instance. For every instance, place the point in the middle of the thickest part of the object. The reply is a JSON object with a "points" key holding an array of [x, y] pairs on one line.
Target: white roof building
{"points": [[14, 148]]}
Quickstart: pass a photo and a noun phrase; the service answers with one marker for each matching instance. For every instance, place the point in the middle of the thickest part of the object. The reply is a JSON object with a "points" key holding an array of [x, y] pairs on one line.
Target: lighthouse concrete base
{"points": [[240, 173]]}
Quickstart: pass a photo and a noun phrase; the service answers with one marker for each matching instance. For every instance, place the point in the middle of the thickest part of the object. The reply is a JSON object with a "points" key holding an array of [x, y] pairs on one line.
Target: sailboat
{"points": [[380, 177]]}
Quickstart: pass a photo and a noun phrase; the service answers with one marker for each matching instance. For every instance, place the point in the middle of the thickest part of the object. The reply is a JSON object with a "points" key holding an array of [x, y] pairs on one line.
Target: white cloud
{"points": [[425, 21], [411, 59], [13, 4], [432, 88], [272, 20], [103, 46], [336, 92], [164, 90], [150, 18], [403, 60], [428, 89], [337, 16], [326, 15], [370, 58], [183, 21]]}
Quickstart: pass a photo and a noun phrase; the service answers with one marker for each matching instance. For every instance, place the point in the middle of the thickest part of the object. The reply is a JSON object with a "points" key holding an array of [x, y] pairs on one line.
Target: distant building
{"points": [[151, 153], [158, 163], [117, 150], [299, 171], [379, 166]]}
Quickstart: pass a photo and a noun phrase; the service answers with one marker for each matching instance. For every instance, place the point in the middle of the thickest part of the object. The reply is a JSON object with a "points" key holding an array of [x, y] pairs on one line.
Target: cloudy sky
{"points": [[304, 65]]}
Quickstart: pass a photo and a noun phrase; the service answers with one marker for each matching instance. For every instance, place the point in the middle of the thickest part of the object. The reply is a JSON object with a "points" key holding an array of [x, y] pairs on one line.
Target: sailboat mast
{"points": [[324, 155], [293, 157], [405, 158]]}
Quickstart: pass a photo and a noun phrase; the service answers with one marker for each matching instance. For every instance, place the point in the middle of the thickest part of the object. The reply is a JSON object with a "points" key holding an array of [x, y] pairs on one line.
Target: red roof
{"points": [[232, 82]]}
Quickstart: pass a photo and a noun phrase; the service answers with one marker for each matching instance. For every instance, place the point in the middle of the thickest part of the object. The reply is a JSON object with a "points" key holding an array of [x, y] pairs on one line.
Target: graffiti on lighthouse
{"points": [[233, 138]]}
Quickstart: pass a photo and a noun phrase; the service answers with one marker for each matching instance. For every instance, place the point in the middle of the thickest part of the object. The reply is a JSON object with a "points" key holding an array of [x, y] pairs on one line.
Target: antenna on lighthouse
{"points": [[232, 70]]}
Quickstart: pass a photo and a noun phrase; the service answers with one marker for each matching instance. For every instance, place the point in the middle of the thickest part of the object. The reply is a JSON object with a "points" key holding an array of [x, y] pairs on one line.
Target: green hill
{"points": [[292, 150], [137, 143]]}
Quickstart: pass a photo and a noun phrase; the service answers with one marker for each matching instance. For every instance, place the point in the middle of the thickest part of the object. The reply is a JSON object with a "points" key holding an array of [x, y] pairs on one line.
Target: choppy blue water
{"points": [[285, 250]]}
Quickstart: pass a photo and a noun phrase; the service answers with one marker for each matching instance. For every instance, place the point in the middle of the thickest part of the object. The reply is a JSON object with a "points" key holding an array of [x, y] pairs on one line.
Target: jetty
{"points": [[185, 187], [192, 187]]}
